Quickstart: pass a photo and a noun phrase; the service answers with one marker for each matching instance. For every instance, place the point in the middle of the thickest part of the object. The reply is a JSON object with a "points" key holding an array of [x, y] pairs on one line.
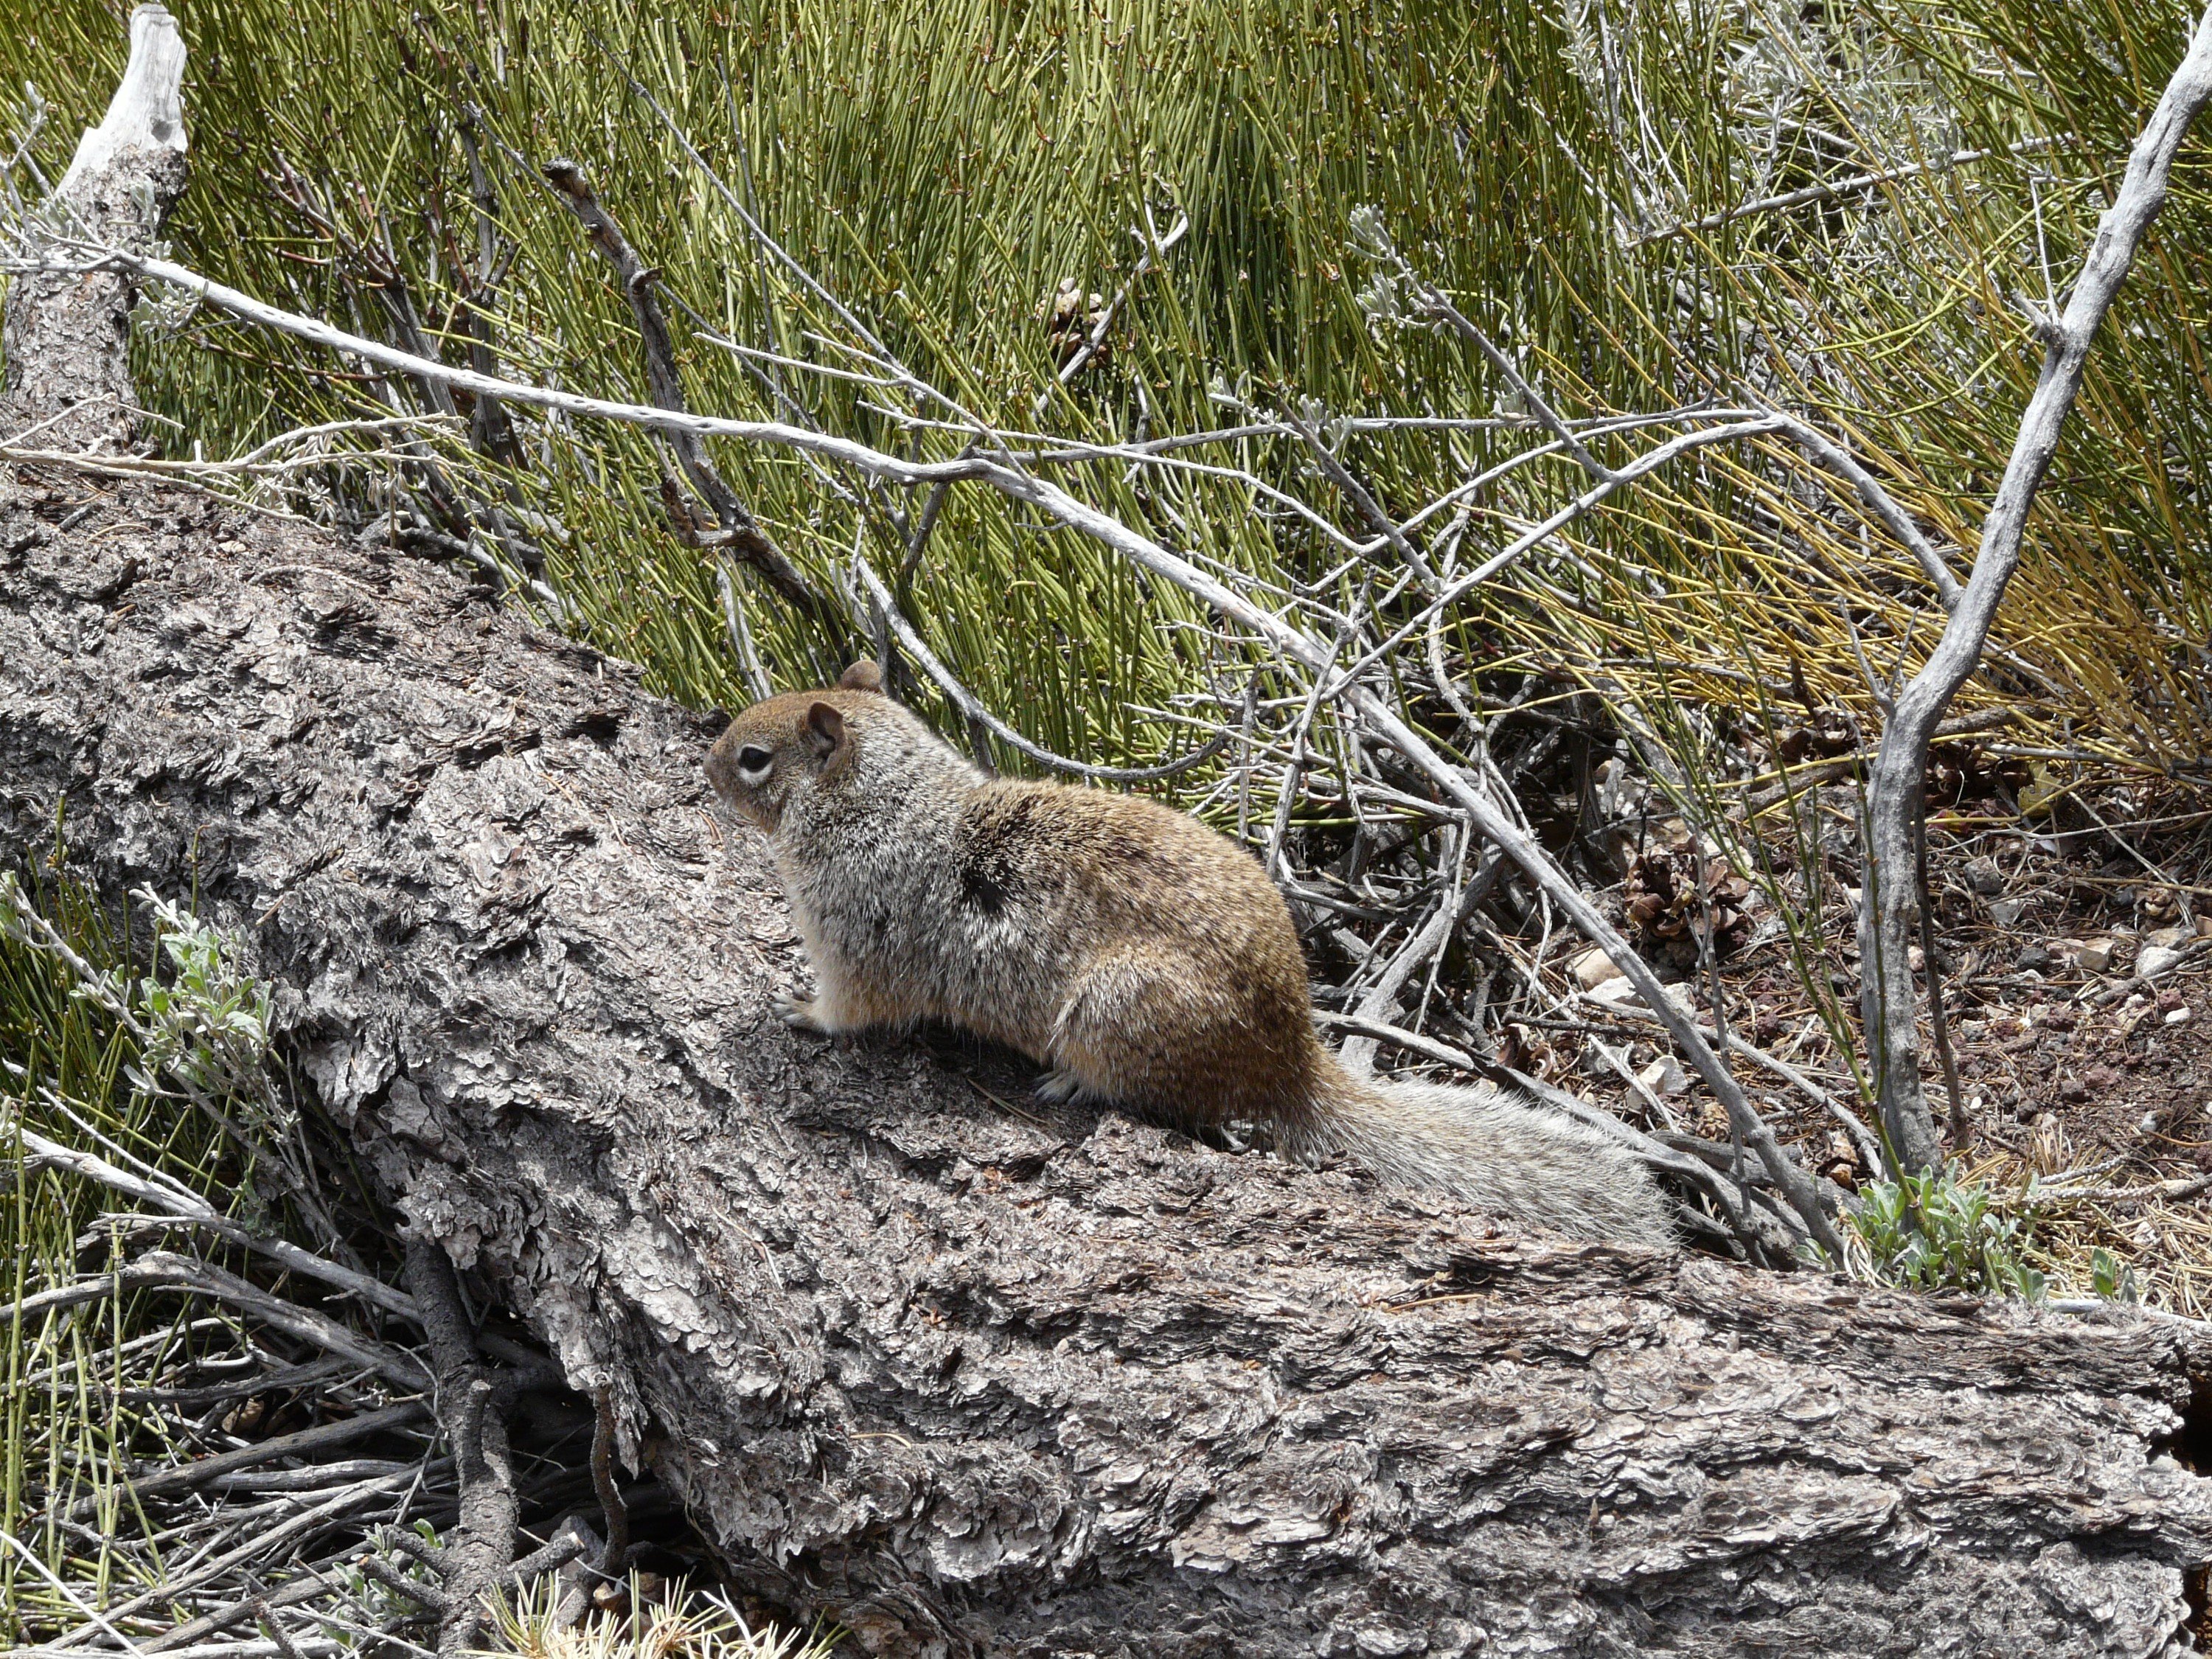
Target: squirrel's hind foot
{"points": [[1060, 1086]]}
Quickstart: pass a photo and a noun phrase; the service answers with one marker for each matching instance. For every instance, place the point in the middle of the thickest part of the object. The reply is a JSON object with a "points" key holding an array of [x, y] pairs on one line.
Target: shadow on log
{"points": [[967, 1378]]}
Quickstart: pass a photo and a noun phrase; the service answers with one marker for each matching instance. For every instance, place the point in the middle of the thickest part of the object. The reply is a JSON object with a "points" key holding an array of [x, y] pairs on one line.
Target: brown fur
{"points": [[1148, 961]]}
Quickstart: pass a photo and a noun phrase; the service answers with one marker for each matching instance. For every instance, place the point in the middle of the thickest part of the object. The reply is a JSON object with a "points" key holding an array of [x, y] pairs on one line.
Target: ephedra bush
{"points": [[1652, 204]]}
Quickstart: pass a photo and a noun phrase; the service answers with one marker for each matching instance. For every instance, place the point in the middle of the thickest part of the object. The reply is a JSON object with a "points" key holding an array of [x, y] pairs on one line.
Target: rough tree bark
{"points": [[967, 1377]]}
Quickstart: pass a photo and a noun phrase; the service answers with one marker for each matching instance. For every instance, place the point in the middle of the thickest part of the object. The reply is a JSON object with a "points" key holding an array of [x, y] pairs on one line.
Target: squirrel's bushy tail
{"points": [[1494, 1150]]}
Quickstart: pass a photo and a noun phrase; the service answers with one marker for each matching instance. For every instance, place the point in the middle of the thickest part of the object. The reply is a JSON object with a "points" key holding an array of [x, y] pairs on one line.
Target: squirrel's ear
{"points": [[825, 730], [862, 676]]}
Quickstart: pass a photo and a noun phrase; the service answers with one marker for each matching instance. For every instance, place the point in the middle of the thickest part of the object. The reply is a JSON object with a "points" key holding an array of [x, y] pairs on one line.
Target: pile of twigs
{"points": [[303, 1486]]}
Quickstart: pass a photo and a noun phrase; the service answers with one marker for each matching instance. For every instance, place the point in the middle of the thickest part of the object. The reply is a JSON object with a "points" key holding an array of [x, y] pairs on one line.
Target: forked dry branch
{"points": [[1896, 806]]}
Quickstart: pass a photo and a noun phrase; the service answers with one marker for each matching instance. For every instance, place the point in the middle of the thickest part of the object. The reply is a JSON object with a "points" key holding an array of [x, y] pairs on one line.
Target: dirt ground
{"points": [[2076, 1070]]}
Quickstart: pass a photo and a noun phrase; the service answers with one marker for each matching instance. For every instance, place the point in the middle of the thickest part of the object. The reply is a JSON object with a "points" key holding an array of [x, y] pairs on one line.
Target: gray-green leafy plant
{"points": [[207, 1018], [1938, 1233], [2112, 1279]]}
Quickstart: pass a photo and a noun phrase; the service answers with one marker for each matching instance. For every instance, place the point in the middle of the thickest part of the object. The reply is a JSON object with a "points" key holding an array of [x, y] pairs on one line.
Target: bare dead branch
{"points": [[1835, 189], [972, 707], [483, 1554], [164, 1270], [490, 427], [191, 1208], [265, 1545], [1830, 454], [1451, 910], [1097, 338], [302, 1443], [62, 354], [1888, 906], [614, 1556], [1371, 511], [740, 531]]}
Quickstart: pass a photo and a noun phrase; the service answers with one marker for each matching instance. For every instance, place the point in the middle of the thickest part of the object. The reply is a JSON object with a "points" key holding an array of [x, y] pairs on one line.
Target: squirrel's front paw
{"points": [[798, 1012]]}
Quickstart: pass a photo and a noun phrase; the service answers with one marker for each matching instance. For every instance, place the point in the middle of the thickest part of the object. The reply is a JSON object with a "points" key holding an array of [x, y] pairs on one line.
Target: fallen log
{"points": [[968, 1377]]}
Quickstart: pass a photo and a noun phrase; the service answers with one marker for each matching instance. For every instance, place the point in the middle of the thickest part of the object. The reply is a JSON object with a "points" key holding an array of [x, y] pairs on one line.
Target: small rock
{"points": [[1619, 993], [1593, 969], [1985, 878], [2102, 1078], [1616, 992], [2006, 912], [2156, 959], [1664, 1077], [2169, 938], [2177, 1016], [2032, 960], [2091, 956]]}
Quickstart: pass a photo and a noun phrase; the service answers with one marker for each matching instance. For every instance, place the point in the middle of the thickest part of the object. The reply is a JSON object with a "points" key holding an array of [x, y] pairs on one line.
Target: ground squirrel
{"points": [[1148, 961]]}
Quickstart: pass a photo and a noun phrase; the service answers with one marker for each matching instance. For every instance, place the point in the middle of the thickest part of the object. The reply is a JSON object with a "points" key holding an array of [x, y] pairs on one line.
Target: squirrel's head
{"points": [[790, 747]]}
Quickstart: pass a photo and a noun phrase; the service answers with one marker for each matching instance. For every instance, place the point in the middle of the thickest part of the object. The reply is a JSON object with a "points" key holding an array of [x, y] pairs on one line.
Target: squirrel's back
{"points": [[1146, 955], [1148, 961]]}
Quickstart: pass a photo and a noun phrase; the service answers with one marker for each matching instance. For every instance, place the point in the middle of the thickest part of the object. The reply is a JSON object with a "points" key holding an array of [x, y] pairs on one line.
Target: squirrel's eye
{"points": [[753, 762]]}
